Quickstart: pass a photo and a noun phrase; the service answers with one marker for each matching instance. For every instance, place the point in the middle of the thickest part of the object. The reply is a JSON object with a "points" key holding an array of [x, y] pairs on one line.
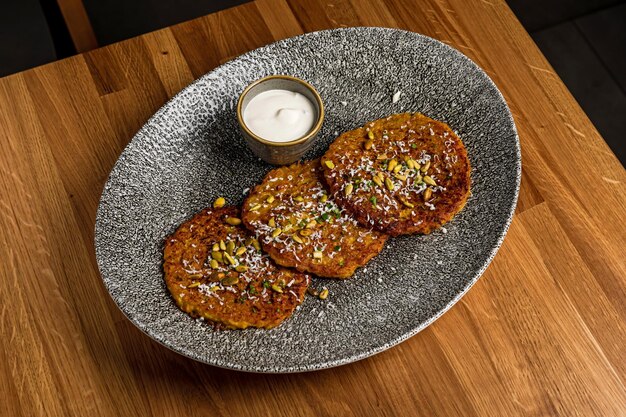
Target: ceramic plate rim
{"points": [[366, 353]]}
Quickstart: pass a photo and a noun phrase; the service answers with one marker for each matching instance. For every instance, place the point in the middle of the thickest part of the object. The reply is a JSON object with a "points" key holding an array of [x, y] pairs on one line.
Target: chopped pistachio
{"points": [[230, 247], [428, 193], [219, 202], [217, 255], [428, 180], [389, 184], [329, 164], [229, 258], [323, 294], [317, 254], [233, 221]]}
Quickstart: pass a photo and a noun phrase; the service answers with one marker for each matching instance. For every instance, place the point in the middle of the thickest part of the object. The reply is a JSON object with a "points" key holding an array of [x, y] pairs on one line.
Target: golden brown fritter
{"points": [[216, 270], [403, 174], [300, 226]]}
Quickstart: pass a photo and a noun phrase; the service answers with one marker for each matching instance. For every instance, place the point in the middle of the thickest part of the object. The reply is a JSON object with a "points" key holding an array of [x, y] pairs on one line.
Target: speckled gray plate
{"points": [[191, 151]]}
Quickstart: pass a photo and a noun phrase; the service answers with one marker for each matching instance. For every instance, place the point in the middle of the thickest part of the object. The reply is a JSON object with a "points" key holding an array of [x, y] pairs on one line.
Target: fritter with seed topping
{"points": [[300, 226], [403, 174], [214, 269]]}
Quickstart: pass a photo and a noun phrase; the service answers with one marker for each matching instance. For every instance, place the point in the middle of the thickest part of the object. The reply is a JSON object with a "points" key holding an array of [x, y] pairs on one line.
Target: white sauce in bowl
{"points": [[279, 115]]}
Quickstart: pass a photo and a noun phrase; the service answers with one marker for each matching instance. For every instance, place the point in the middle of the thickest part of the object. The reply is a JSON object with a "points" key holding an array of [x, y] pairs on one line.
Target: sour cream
{"points": [[279, 115]]}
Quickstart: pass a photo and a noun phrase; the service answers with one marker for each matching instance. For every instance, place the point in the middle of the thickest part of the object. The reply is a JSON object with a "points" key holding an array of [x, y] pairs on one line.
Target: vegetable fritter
{"points": [[403, 174], [301, 226], [214, 269]]}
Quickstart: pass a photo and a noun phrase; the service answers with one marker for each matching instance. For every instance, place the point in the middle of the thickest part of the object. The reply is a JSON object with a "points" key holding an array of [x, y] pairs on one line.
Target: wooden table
{"points": [[542, 333]]}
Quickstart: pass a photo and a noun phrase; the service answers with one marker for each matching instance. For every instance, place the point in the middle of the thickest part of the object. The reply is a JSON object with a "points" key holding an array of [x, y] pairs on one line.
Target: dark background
{"points": [[584, 40]]}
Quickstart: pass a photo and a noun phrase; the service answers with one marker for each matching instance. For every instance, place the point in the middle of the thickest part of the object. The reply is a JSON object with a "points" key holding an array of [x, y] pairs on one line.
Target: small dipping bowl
{"points": [[280, 153]]}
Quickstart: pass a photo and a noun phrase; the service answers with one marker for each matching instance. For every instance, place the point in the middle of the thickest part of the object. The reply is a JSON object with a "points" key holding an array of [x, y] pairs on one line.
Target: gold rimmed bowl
{"points": [[280, 153]]}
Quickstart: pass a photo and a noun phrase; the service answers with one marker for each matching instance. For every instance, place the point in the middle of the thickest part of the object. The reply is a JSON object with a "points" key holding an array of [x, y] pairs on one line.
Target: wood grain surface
{"points": [[542, 333]]}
